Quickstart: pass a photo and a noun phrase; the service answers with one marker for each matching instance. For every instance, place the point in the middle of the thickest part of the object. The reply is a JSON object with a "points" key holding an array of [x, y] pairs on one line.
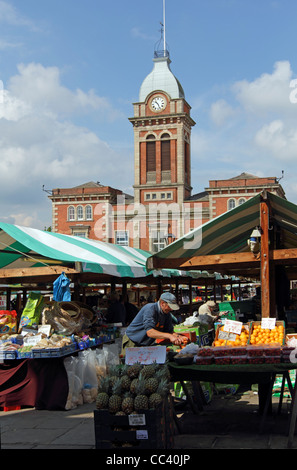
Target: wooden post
{"points": [[264, 264], [190, 297]]}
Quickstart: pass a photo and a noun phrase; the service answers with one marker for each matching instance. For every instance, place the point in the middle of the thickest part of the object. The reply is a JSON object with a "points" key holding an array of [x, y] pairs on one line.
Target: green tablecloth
{"points": [[231, 373]]}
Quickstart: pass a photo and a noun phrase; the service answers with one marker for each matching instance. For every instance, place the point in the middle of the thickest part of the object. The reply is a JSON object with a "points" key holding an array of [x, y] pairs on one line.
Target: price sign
{"points": [[141, 434], [227, 335], [137, 420], [233, 326], [268, 323]]}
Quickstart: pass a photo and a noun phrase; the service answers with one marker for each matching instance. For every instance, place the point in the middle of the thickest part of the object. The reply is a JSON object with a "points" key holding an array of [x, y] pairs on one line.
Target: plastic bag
{"points": [[101, 368], [90, 381], [74, 397], [61, 289], [111, 354], [8, 321], [32, 311]]}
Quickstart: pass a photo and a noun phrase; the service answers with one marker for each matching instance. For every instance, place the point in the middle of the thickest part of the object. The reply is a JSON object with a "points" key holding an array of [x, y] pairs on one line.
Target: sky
{"points": [[70, 71]]}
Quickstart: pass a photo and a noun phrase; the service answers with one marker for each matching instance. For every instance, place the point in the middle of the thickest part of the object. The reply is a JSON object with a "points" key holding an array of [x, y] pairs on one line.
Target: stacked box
{"points": [[154, 431], [201, 332]]}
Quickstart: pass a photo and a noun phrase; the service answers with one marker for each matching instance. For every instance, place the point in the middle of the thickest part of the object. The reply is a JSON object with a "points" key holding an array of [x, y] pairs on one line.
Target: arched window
{"points": [[231, 204], [71, 213], [165, 152], [80, 212], [241, 201], [150, 153], [89, 213]]}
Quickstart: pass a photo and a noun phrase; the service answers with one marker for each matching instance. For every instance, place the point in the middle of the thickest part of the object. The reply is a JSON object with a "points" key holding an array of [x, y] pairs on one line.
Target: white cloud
{"points": [[39, 146], [267, 93], [40, 88], [10, 15], [221, 111], [256, 130]]}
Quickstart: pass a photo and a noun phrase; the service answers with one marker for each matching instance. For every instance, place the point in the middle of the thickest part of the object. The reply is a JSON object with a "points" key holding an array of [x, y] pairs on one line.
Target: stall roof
{"points": [[207, 246], [31, 253], [24, 247]]}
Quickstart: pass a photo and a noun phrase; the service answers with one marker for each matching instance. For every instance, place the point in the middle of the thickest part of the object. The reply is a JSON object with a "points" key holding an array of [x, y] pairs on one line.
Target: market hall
{"points": [[233, 229]]}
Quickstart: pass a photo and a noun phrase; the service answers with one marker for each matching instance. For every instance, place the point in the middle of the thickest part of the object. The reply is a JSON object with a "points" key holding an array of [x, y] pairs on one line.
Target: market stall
{"points": [[255, 241]]}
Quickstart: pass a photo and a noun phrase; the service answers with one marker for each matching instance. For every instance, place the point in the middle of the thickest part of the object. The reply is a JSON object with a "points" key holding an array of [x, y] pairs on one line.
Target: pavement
{"points": [[227, 422]]}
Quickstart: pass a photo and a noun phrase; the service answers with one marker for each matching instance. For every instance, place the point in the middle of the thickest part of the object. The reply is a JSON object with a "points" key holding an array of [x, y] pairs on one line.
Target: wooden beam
{"points": [[35, 272], [265, 272], [243, 259]]}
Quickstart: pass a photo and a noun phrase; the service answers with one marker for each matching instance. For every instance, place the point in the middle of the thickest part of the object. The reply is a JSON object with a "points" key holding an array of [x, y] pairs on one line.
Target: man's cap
{"points": [[170, 300], [211, 303]]}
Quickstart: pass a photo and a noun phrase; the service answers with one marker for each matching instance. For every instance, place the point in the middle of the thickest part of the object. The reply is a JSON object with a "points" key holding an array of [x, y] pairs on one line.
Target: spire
{"points": [[161, 48]]}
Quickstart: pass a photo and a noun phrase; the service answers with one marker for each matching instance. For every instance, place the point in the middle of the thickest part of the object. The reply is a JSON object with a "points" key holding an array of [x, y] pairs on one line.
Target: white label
{"points": [[233, 326], [268, 323], [142, 434], [146, 355], [137, 420], [227, 336], [32, 340], [46, 329]]}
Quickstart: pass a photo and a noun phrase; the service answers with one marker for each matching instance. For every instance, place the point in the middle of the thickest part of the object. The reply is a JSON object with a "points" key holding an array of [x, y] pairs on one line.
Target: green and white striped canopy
{"points": [[229, 232], [23, 247]]}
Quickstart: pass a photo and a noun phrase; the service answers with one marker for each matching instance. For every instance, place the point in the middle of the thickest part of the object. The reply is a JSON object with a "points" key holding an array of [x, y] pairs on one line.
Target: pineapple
{"points": [[149, 370], [133, 386], [156, 398], [134, 370], [125, 379], [114, 372], [151, 385], [163, 373], [103, 396], [141, 400], [115, 400], [128, 403]]}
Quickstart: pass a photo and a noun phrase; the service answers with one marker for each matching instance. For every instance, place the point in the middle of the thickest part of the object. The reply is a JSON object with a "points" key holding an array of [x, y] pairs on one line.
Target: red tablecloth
{"points": [[39, 383]]}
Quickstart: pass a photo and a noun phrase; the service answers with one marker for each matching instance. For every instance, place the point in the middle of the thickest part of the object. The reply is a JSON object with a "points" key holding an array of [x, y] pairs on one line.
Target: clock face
{"points": [[158, 103]]}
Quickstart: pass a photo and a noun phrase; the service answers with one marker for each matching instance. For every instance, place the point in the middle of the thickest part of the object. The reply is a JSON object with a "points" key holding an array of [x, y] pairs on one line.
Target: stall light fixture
{"points": [[254, 240]]}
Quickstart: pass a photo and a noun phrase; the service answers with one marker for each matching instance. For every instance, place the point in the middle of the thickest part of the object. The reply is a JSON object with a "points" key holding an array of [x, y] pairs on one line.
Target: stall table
{"points": [[39, 383], [262, 374]]}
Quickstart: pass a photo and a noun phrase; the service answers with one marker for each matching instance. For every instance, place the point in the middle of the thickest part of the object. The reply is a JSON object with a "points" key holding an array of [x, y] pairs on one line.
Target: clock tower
{"points": [[162, 139]]}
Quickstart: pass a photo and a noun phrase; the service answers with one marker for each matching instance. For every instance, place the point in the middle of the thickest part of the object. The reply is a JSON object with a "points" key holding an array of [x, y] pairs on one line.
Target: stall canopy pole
{"points": [[265, 278]]}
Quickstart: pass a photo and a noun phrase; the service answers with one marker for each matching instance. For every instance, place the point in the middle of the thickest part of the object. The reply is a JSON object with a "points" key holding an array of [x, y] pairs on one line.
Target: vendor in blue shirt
{"points": [[153, 322]]}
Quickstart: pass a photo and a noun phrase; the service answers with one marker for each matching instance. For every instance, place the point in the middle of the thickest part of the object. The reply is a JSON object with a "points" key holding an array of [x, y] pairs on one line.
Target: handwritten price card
{"points": [[268, 323], [233, 326], [146, 355]]}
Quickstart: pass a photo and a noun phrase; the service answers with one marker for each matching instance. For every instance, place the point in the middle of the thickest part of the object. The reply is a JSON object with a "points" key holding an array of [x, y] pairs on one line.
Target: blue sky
{"points": [[71, 71]]}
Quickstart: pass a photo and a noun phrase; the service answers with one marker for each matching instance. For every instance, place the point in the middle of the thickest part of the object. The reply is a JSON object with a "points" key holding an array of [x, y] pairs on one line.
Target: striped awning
{"points": [[24, 247], [229, 232]]}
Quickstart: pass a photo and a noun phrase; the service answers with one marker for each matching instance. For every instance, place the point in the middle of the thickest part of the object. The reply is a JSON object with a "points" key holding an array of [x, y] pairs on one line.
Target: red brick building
{"points": [[162, 207]]}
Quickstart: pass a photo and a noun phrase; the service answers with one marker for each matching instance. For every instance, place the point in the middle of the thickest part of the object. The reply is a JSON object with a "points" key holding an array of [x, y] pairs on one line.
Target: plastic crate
{"points": [[43, 353], [116, 432], [4, 355]]}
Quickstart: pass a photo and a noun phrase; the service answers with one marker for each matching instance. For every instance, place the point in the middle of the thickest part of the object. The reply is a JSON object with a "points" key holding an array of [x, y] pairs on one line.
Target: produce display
{"points": [[129, 389], [254, 345], [241, 340]]}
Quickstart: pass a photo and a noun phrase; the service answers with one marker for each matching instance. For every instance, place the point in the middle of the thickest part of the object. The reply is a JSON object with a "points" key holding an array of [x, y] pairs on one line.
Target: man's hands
{"points": [[176, 339]]}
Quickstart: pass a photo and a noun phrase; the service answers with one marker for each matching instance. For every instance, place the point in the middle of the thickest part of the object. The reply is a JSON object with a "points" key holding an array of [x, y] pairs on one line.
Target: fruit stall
{"points": [[53, 357]]}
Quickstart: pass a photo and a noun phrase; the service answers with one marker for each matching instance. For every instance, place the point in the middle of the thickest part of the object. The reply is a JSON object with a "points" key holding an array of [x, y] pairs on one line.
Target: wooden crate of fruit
{"points": [[131, 394], [260, 336], [146, 429], [240, 340]]}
